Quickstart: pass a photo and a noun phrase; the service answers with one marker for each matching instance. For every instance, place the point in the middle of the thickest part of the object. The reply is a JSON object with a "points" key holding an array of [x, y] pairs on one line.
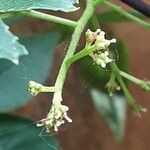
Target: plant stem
{"points": [[79, 55], [42, 16], [94, 22], [73, 44], [131, 101], [48, 89], [47, 17], [145, 85], [131, 78], [126, 14]]}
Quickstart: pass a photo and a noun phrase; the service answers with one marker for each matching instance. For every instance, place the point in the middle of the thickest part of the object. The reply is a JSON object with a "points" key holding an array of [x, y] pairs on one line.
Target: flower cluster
{"points": [[103, 43], [101, 58], [56, 117], [101, 55], [34, 88]]}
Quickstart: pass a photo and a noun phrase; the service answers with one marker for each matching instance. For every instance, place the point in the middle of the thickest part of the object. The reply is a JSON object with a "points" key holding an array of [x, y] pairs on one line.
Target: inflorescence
{"points": [[101, 55]]}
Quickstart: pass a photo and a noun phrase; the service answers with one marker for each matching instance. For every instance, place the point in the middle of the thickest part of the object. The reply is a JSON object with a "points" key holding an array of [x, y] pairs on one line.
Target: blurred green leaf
{"points": [[35, 66], [113, 109], [10, 48], [19, 5], [18, 133], [96, 76], [112, 16], [12, 20]]}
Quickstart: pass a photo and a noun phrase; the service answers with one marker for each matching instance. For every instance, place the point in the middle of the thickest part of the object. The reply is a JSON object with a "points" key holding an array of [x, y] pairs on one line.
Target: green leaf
{"points": [[35, 66], [18, 133], [13, 20], [19, 5], [10, 48], [113, 109], [112, 16]]}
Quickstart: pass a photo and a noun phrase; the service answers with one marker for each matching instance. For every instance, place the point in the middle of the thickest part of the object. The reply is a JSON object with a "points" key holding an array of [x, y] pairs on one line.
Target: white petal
{"points": [[102, 33], [58, 123], [55, 128], [103, 65], [62, 121], [39, 124], [107, 60], [113, 41], [106, 53], [99, 61], [68, 119], [98, 30]]}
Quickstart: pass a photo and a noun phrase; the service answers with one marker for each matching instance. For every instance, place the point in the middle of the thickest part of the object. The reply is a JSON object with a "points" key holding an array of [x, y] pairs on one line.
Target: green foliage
{"points": [[17, 133], [18, 5], [10, 48], [113, 109], [14, 79]]}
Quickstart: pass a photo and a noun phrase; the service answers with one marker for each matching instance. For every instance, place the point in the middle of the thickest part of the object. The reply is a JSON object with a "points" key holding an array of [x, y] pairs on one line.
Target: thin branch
{"points": [[73, 44], [40, 15]]}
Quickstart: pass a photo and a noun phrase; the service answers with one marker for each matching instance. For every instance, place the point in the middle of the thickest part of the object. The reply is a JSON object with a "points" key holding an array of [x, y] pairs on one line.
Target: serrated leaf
{"points": [[35, 66], [19, 5], [10, 48], [113, 109], [18, 133]]}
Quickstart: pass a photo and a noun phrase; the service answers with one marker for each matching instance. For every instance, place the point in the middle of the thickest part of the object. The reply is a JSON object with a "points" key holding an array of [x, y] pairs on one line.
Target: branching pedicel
{"points": [[58, 112], [97, 48]]}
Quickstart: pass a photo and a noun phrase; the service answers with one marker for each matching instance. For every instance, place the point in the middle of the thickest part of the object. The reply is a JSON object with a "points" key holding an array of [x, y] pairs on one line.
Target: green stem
{"points": [[145, 85], [47, 17], [126, 14], [42, 16], [79, 55], [94, 22], [48, 89], [73, 44], [131, 101], [131, 78]]}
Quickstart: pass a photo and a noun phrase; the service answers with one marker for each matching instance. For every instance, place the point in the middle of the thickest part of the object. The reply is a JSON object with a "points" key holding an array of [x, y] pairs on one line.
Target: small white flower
{"points": [[102, 42], [56, 117], [102, 58], [67, 118], [34, 88]]}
